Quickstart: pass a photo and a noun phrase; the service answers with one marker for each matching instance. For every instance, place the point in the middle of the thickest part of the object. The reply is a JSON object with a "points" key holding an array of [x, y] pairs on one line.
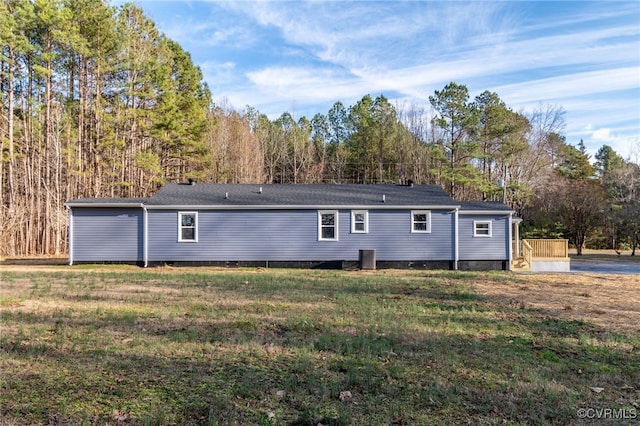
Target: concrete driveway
{"points": [[608, 265]]}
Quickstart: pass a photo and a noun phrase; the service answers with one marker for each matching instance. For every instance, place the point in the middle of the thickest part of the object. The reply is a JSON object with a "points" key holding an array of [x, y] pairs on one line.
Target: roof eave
{"points": [[104, 204], [300, 207]]}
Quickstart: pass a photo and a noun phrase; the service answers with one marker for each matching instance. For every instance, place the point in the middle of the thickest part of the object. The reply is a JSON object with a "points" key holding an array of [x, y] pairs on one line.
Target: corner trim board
{"points": [[145, 239], [70, 236]]}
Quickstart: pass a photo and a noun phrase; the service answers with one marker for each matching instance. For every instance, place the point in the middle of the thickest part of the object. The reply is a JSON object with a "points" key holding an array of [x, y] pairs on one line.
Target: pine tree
{"points": [[458, 121]]}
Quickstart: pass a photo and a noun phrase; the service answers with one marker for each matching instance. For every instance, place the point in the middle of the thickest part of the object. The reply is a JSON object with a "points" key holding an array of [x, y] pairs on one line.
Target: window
{"points": [[328, 226], [188, 227], [420, 221], [359, 221], [481, 228]]}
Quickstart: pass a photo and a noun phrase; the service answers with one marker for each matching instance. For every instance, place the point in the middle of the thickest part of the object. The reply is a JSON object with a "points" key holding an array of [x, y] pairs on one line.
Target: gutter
{"points": [[295, 207], [103, 205]]}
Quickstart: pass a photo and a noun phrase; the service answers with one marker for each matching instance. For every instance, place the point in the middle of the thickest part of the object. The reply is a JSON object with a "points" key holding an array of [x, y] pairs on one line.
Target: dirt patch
{"points": [[58, 265], [35, 260], [609, 301]]}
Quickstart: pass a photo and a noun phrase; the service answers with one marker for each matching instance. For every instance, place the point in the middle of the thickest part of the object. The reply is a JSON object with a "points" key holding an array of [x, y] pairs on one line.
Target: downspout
{"points": [[70, 230], [510, 242], [456, 254], [145, 233]]}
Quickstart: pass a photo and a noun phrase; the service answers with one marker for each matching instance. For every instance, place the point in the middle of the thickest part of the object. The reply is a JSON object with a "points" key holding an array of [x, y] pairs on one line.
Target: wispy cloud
{"points": [[272, 55], [572, 85]]}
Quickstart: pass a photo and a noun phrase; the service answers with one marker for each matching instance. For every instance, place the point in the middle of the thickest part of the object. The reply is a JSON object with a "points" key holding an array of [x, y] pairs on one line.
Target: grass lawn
{"points": [[123, 345]]}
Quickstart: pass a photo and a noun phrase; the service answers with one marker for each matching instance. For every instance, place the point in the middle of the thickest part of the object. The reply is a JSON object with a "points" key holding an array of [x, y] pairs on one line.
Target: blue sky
{"points": [[303, 56]]}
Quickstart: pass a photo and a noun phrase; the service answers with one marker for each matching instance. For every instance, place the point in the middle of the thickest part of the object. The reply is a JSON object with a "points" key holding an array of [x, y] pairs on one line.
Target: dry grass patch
{"points": [[609, 301], [195, 346]]}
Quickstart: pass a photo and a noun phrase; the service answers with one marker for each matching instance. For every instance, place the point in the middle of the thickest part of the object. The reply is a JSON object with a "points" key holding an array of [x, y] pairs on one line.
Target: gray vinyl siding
{"points": [[292, 235], [107, 235], [495, 247]]}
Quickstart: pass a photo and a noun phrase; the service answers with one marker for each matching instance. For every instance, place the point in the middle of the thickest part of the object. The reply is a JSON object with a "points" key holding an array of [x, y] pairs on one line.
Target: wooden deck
{"points": [[543, 252]]}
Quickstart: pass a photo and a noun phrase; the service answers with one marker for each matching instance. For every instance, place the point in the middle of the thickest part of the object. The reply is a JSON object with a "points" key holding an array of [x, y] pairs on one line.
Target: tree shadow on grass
{"points": [[519, 366]]}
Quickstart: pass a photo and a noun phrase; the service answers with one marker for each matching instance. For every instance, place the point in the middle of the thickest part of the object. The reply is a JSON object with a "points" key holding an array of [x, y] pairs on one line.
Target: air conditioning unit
{"points": [[367, 259]]}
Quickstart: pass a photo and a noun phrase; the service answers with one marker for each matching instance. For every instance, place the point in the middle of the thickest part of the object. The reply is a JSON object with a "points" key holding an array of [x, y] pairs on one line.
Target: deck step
{"points": [[520, 264]]}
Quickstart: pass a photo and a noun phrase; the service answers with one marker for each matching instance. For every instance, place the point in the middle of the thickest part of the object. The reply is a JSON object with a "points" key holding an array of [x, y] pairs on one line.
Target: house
{"points": [[280, 225]]}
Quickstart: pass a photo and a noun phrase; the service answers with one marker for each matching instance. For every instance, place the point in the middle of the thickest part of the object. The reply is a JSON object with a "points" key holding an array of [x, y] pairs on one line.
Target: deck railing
{"points": [[527, 252], [547, 248]]}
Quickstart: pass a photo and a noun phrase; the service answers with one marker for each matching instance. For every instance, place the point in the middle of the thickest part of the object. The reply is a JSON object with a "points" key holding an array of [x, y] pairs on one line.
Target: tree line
{"points": [[96, 102]]}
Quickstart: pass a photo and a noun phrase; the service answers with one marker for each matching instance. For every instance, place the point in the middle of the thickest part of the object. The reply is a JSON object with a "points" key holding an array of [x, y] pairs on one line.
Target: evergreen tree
{"points": [[458, 121], [574, 162], [338, 135]]}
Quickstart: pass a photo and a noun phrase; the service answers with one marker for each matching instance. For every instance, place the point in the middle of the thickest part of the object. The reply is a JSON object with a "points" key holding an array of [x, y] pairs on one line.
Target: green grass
{"points": [[296, 347]]}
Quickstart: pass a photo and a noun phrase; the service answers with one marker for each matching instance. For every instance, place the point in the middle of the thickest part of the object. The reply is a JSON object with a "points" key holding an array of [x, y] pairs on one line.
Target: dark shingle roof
{"points": [[284, 195], [484, 205], [90, 202], [312, 195]]}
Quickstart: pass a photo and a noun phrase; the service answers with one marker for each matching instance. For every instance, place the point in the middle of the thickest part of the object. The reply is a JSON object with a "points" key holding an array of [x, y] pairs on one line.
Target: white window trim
{"points": [[425, 212], [482, 222], [195, 231], [365, 213], [333, 212]]}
